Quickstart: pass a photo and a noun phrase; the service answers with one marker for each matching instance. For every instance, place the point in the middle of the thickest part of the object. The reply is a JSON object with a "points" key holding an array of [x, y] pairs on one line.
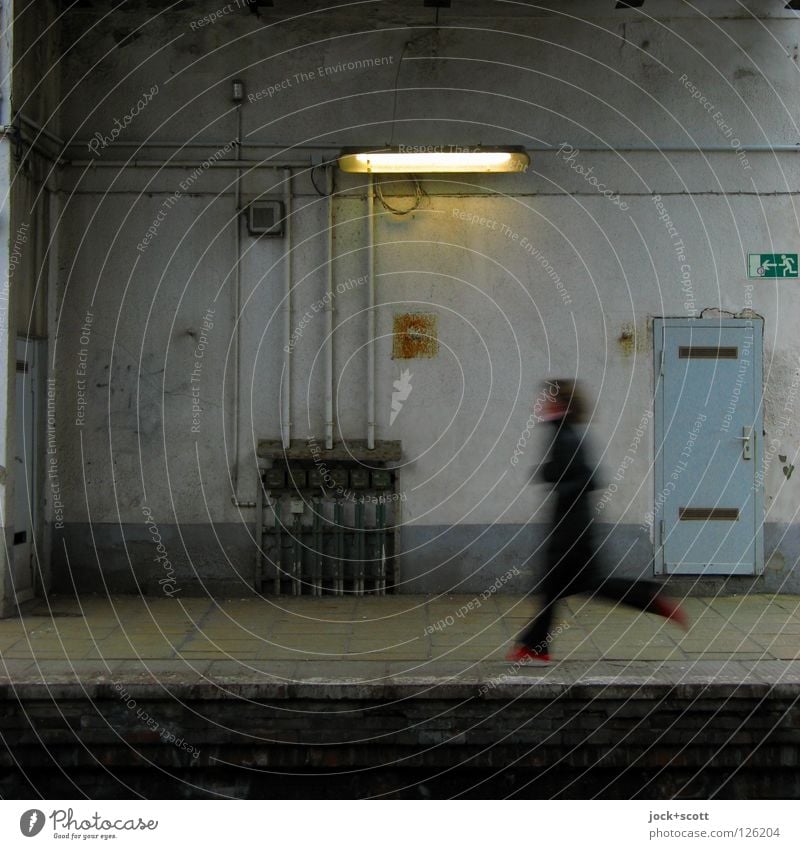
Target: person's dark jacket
{"points": [[570, 473]]}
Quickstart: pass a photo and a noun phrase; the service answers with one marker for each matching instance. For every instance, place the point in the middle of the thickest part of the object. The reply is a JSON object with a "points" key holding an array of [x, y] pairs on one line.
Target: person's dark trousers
{"points": [[568, 577]]}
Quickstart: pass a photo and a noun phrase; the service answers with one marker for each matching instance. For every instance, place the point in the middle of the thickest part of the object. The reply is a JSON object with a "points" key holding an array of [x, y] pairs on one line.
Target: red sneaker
{"points": [[520, 653], [671, 610]]}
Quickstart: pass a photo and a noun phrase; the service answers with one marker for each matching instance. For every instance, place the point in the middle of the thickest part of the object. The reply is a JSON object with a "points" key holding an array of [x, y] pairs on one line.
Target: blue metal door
{"points": [[707, 512]]}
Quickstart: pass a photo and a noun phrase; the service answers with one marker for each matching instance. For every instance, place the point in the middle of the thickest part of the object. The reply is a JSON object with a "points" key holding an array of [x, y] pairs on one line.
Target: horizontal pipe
{"points": [[37, 147], [261, 163], [335, 148], [199, 163], [145, 145], [356, 196], [150, 145], [720, 148], [41, 130]]}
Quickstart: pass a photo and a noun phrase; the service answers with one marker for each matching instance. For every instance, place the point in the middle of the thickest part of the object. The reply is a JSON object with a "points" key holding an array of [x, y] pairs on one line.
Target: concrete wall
{"points": [[529, 274], [6, 343], [481, 737], [29, 71]]}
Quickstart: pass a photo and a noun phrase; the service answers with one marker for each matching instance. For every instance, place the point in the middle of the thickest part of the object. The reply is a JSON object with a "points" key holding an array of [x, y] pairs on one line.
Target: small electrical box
{"points": [[381, 479], [297, 478], [265, 218], [275, 478], [359, 478]]}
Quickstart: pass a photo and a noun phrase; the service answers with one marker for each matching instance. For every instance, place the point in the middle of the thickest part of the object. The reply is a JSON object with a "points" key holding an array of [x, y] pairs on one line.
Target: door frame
{"points": [[36, 358], [659, 330]]}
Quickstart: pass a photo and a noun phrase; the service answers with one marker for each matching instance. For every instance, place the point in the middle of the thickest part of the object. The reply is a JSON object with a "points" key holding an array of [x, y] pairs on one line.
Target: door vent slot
{"points": [[703, 514], [20, 537], [708, 352]]}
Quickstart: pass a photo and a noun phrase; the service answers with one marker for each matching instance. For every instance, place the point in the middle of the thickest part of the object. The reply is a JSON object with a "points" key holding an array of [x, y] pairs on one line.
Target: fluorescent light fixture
{"points": [[434, 159]]}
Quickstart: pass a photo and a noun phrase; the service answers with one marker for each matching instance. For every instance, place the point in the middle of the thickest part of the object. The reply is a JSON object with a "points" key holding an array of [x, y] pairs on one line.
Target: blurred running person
{"points": [[573, 565]]}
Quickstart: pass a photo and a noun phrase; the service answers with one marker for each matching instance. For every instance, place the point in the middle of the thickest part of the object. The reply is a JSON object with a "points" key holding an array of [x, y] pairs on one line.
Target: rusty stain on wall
{"points": [[627, 339], [632, 340], [414, 336]]}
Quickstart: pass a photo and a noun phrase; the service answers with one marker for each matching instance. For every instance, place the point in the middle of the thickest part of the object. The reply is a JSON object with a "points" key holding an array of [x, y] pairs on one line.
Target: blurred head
{"points": [[563, 399]]}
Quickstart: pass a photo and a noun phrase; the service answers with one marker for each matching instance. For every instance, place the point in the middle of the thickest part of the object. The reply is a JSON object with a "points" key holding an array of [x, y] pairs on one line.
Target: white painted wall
{"points": [[613, 81]]}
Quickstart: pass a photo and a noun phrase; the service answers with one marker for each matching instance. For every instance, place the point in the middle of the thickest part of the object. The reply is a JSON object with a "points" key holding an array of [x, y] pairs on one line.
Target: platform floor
{"points": [[370, 639]]}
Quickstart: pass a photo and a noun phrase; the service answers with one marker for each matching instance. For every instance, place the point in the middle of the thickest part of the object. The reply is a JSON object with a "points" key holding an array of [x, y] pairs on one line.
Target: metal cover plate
{"points": [[704, 514], [708, 352]]}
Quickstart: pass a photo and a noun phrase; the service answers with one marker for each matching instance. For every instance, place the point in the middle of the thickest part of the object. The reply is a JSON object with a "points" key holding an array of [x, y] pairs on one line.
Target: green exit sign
{"points": [[772, 265]]}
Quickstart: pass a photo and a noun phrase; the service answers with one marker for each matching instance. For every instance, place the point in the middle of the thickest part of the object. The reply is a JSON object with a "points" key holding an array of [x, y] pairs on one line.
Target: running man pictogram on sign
{"points": [[772, 265]]}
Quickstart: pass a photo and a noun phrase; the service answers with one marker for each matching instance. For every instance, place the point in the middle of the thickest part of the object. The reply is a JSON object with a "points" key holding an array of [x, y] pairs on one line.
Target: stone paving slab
{"points": [[367, 647]]}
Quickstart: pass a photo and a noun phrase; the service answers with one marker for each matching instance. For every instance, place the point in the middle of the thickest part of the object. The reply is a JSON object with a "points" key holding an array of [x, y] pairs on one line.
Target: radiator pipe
{"points": [[258, 578], [361, 552], [237, 300], [338, 547], [286, 394], [297, 551], [371, 313], [318, 548], [380, 525], [329, 318], [276, 512]]}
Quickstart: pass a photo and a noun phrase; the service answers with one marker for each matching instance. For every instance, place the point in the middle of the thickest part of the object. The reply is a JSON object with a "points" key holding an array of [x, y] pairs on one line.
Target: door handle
{"points": [[747, 445]]}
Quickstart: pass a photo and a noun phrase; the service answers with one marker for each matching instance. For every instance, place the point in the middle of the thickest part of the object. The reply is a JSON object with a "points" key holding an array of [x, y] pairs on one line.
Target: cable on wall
{"points": [[419, 194]]}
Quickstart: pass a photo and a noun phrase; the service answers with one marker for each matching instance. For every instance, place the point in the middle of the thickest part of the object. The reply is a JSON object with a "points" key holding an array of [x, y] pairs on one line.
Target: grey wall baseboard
{"points": [[220, 559]]}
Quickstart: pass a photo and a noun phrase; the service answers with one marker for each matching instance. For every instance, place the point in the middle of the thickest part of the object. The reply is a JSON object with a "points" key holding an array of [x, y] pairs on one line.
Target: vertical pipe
{"points": [[286, 394], [371, 313], [361, 554], [275, 503], [396, 522], [237, 305], [338, 534], [380, 525], [297, 565], [259, 570], [276, 511], [52, 329], [40, 357], [7, 328], [329, 320], [38, 319], [316, 588]]}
